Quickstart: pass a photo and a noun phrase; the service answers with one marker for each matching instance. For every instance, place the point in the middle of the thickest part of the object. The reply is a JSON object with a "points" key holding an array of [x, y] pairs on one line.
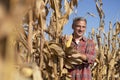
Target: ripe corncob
{"points": [[68, 43]]}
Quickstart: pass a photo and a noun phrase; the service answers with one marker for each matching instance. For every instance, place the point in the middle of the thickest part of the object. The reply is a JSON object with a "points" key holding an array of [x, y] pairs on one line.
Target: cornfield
{"points": [[32, 50]]}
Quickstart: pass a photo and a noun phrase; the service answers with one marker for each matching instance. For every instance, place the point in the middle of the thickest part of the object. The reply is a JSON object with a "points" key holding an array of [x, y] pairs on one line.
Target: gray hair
{"points": [[78, 19]]}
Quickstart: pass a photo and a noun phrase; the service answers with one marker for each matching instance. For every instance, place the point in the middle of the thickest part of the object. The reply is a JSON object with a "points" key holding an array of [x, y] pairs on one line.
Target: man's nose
{"points": [[80, 27]]}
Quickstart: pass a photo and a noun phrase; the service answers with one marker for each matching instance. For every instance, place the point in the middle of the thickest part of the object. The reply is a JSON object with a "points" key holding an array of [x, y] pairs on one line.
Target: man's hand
{"points": [[79, 55]]}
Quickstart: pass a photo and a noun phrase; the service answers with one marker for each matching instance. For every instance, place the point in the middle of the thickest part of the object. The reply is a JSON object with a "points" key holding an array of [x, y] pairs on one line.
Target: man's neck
{"points": [[78, 38]]}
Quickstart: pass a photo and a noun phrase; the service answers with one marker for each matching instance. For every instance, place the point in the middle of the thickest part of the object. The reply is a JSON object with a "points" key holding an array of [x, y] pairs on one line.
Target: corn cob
{"points": [[68, 43]]}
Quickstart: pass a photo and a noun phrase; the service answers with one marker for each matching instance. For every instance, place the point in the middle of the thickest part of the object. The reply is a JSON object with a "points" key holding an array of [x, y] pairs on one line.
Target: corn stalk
{"points": [[49, 59], [44, 58], [107, 49]]}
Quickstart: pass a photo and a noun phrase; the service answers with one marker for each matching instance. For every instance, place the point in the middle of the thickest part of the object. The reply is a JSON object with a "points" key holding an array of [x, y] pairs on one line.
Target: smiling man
{"points": [[86, 49]]}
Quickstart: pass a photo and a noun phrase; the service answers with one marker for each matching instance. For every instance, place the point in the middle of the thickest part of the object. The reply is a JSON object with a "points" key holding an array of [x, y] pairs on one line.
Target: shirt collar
{"points": [[83, 38]]}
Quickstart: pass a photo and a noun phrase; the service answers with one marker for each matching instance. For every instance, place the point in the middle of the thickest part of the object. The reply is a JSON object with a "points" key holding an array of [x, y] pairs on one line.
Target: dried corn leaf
{"points": [[73, 60], [93, 31], [100, 11], [73, 3], [91, 14], [37, 74], [51, 2], [117, 27], [61, 60], [57, 50], [67, 7]]}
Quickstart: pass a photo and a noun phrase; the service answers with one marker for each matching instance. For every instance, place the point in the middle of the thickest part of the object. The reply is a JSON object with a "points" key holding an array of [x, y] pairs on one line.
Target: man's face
{"points": [[79, 28]]}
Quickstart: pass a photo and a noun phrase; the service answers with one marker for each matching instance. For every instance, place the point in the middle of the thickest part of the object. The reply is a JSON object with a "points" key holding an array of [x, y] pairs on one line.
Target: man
{"points": [[86, 49]]}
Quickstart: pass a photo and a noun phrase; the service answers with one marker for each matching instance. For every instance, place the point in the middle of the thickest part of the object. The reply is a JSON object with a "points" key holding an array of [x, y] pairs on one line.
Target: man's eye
{"points": [[77, 25], [84, 26]]}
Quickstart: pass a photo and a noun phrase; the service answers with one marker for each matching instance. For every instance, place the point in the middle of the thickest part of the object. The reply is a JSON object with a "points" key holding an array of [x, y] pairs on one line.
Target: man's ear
{"points": [[72, 26]]}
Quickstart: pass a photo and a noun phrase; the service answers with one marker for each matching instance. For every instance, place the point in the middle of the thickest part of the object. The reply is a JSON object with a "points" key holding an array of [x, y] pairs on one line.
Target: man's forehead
{"points": [[80, 22]]}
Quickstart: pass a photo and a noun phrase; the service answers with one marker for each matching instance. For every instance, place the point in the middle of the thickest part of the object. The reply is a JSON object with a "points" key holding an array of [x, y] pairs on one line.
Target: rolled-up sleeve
{"points": [[90, 51]]}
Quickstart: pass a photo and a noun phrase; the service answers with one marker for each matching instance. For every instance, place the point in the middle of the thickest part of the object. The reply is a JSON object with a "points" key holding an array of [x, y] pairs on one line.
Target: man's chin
{"points": [[80, 35]]}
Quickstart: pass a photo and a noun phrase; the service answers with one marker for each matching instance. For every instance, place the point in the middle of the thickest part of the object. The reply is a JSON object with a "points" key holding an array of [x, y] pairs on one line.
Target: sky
{"points": [[111, 9]]}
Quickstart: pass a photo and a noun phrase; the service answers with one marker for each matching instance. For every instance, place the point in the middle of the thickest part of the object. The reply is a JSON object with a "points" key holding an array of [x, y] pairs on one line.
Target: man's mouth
{"points": [[79, 31]]}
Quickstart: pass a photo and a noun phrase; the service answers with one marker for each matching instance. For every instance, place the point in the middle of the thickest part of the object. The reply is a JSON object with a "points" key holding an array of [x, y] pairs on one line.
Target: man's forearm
{"points": [[83, 57]]}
